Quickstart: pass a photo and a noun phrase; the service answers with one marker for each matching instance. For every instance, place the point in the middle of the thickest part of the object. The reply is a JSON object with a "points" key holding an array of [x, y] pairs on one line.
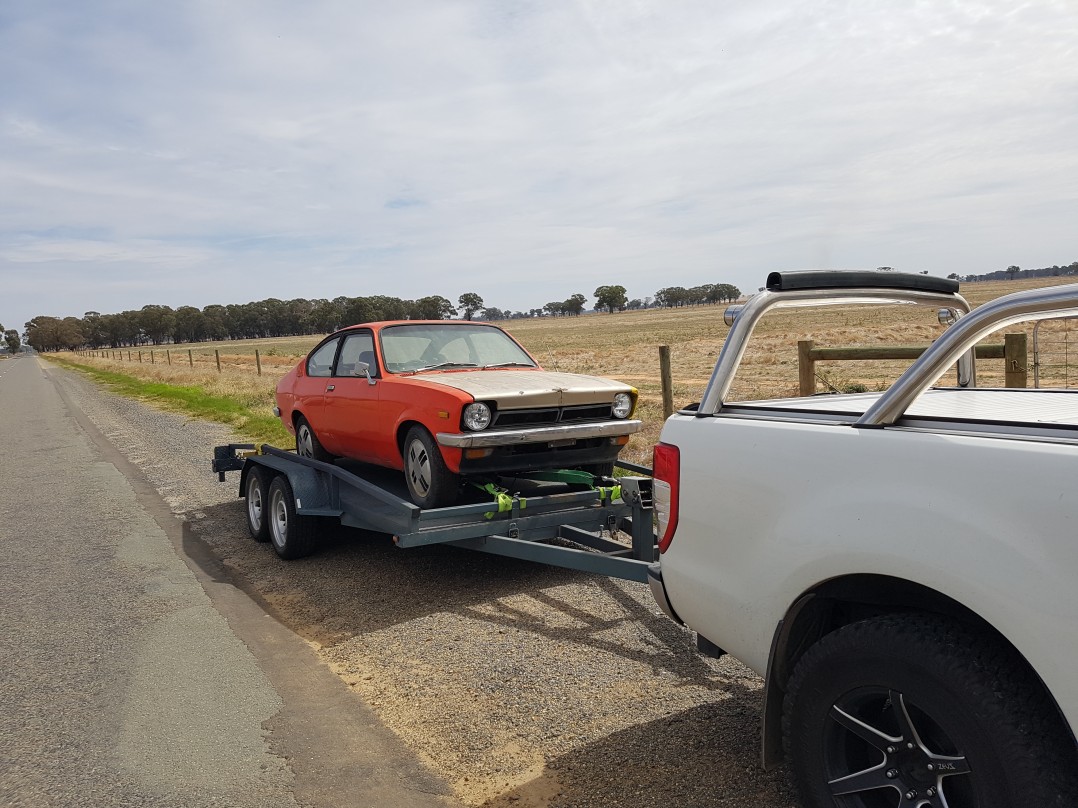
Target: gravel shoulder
{"points": [[519, 684]]}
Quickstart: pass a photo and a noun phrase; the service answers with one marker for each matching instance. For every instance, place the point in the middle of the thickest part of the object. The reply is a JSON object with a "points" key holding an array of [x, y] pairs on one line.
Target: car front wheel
{"points": [[430, 483], [919, 711]]}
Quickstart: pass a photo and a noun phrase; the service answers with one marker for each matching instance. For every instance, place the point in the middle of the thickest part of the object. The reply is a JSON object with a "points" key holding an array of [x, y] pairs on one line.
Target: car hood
{"points": [[530, 388]]}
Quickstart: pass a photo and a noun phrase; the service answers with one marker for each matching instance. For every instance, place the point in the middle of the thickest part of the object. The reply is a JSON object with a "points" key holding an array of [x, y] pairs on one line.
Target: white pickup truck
{"points": [[915, 618]]}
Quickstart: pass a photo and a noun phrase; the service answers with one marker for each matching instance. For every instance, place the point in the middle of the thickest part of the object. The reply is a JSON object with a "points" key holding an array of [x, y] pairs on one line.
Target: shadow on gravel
{"points": [[702, 757], [360, 582]]}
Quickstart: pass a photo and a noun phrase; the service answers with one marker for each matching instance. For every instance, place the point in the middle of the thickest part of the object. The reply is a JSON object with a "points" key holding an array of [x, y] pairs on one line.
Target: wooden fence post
{"points": [[168, 355], [190, 358], [152, 362], [667, 381], [217, 353], [140, 357], [1016, 360], [258, 362], [806, 368]]}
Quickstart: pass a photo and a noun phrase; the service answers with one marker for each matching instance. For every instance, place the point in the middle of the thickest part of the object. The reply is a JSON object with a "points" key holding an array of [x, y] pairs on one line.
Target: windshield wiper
{"points": [[509, 365], [442, 365]]}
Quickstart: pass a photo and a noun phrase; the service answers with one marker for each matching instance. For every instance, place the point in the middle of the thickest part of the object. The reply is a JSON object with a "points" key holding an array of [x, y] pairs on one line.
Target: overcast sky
{"points": [[191, 153]]}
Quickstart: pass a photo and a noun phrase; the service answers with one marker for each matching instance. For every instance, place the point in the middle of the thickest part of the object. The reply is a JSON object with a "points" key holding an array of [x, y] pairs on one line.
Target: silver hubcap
{"points": [[418, 467], [279, 515], [254, 503], [305, 442]]}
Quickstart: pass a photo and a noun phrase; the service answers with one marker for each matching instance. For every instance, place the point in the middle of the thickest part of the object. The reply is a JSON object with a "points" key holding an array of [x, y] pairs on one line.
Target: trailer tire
{"points": [[256, 494], [951, 712], [307, 443], [430, 483], [292, 535]]}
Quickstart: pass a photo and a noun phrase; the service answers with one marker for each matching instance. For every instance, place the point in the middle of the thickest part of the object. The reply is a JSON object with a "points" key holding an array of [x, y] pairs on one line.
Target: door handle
{"points": [[330, 388]]}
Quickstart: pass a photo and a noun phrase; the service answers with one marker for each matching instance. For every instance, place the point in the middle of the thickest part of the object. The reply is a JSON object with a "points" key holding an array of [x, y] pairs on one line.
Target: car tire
{"points": [[256, 494], [292, 535], [430, 483], [871, 707], [307, 443]]}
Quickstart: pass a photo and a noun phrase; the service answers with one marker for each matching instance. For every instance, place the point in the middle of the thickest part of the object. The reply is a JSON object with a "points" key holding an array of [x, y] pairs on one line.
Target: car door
{"points": [[311, 386], [351, 401]]}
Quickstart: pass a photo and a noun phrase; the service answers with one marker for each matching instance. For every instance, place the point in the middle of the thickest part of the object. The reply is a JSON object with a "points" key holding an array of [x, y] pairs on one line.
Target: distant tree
{"points": [[574, 305], [1012, 272], [156, 322], [635, 303], [189, 325], [325, 316], [53, 334], [491, 313], [434, 307], [215, 318], [470, 303], [11, 337], [611, 298]]}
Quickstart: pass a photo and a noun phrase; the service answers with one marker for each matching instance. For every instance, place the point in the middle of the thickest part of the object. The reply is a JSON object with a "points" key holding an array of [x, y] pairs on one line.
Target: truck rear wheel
{"points": [[257, 496], [920, 711], [292, 535]]}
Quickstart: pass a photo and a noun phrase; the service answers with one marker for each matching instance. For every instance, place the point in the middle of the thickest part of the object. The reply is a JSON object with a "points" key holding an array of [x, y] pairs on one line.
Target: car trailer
{"points": [[286, 493]]}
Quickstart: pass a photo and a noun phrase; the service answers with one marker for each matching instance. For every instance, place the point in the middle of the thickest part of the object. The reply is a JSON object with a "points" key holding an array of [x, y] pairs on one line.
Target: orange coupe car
{"points": [[445, 400]]}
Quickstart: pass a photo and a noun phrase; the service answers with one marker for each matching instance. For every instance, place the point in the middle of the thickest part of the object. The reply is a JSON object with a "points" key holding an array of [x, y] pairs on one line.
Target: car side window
{"points": [[358, 347], [320, 363]]}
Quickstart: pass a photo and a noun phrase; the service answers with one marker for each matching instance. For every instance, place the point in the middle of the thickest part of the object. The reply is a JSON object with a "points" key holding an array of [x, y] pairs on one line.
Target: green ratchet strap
{"points": [[576, 477], [610, 492], [502, 497]]}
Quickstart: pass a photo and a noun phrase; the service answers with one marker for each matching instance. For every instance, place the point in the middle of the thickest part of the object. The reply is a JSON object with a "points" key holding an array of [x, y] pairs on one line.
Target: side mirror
{"points": [[363, 369]]}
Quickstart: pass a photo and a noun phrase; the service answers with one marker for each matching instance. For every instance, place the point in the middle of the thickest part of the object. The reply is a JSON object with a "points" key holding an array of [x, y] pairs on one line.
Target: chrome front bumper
{"points": [[512, 437]]}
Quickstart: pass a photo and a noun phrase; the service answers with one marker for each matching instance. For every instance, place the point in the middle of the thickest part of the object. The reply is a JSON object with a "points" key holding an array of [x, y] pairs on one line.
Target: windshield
{"points": [[411, 348]]}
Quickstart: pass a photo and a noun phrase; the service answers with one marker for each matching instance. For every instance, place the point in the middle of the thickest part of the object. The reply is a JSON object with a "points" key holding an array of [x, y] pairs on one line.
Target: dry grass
{"points": [[625, 346]]}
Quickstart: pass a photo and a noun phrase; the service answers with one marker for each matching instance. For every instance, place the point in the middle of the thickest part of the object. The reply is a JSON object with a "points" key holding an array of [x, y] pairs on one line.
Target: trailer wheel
{"points": [[430, 483], [257, 495], [292, 535], [307, 443], [921, 711]]}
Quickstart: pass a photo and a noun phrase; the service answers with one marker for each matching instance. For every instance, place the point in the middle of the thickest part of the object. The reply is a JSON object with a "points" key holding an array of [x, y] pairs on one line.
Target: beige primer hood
{"points": [[515, 389]]}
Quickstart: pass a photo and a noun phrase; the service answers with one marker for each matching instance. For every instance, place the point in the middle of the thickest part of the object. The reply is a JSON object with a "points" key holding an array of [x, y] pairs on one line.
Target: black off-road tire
{"points": [[307, 443], [292, 535], [976, 715], [256, 494], [430, 483]]}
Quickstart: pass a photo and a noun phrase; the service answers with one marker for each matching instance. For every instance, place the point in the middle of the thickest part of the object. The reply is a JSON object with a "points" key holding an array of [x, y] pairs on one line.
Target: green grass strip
{"points": [[252, 425]]}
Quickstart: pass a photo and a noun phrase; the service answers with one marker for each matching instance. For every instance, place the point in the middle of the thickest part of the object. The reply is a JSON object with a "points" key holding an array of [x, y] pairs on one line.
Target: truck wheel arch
{"points": [[837, 603]]}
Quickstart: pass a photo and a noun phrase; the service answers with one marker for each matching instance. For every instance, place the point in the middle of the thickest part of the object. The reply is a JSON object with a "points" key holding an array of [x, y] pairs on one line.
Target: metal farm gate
{"points": [[1055, 352]]}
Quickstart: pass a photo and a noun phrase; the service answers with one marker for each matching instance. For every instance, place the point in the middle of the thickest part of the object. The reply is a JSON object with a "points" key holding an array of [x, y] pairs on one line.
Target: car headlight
{"points": [[623, 405], [477, 416]]}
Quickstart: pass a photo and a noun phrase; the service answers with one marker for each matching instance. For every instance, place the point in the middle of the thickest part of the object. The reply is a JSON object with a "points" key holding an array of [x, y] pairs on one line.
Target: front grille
{"points": [[551, 416]]}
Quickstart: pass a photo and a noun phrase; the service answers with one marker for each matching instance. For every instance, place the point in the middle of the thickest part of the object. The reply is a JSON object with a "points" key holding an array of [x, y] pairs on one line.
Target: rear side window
{"points": [[320, 363]]}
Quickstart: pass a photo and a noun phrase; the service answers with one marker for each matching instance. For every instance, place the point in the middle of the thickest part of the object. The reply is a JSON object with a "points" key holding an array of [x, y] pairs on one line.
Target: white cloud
{"points": [[225, 152]]}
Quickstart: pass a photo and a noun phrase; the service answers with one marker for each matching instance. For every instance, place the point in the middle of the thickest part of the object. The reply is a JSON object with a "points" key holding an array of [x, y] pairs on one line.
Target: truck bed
{"points": [[1030, 408]]}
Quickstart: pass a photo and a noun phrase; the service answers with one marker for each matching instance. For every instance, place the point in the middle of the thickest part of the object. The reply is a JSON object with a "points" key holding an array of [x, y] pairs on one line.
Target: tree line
{"points": [[1015, 272], [157, 324]]}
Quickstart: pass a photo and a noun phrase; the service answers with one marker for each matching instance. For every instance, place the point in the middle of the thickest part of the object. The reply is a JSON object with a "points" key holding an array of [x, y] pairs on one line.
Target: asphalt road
{"points": [[133, 675]]}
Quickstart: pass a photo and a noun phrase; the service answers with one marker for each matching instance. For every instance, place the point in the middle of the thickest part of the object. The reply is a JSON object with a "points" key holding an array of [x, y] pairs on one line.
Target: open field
{"points": [[625, 346]]}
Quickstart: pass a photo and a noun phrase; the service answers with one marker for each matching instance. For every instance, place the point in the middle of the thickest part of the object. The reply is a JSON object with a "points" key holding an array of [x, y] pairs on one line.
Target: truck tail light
{"points": [[666, 463]]}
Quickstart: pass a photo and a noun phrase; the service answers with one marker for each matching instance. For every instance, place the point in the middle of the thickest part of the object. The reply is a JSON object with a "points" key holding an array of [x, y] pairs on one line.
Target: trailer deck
{"points": [[534, 520]]}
